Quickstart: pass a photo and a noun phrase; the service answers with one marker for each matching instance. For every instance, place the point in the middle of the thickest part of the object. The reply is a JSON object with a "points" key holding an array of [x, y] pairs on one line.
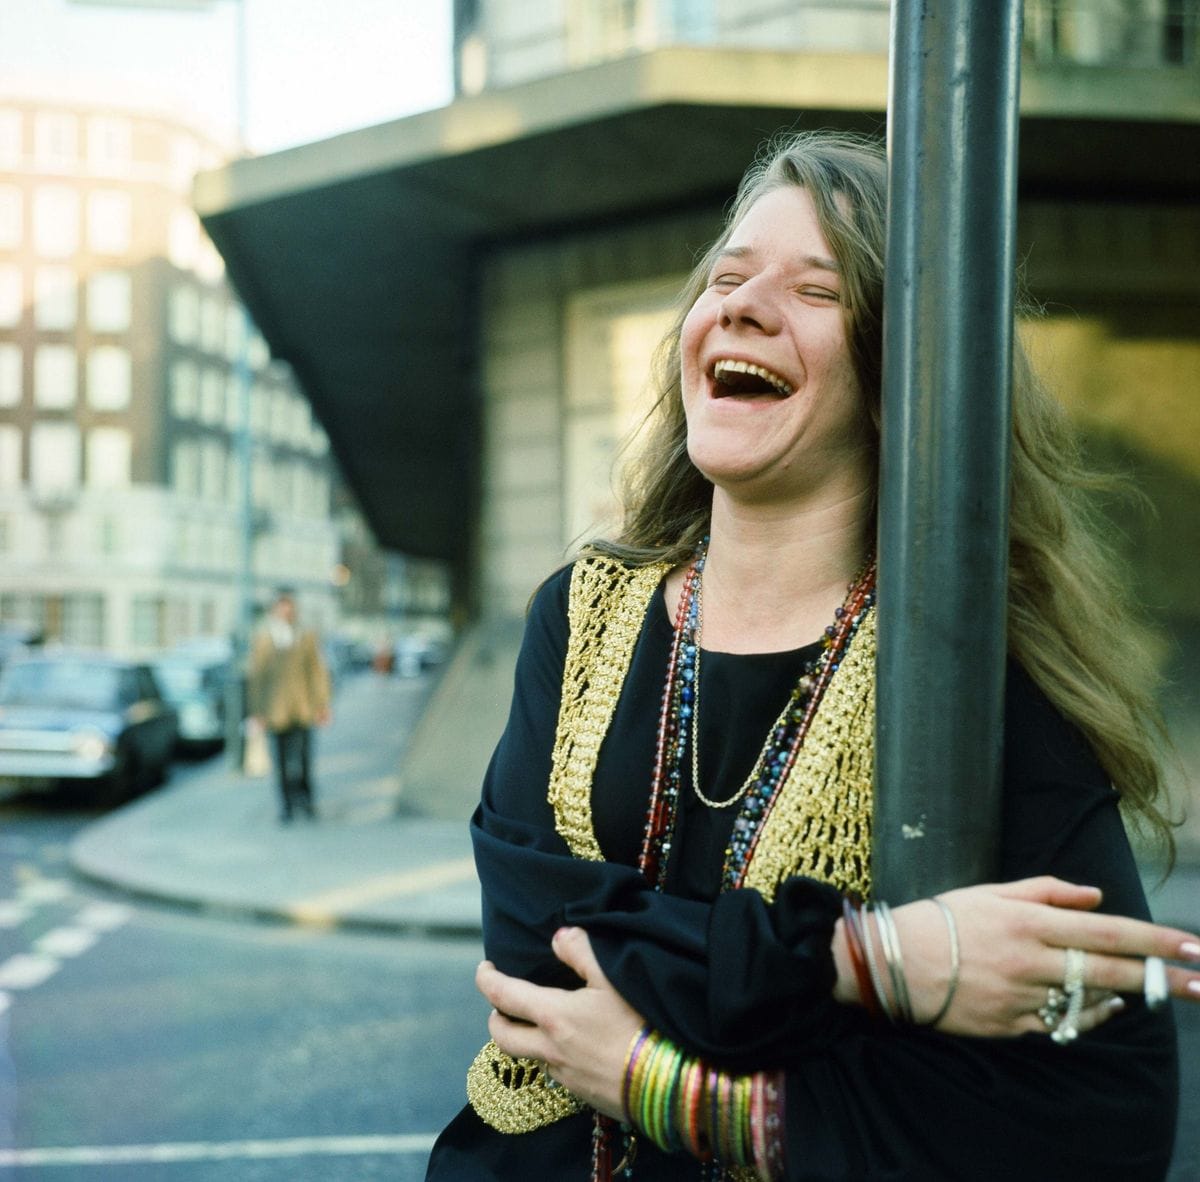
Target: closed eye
{"points": [[820, 293], [728, 279]]}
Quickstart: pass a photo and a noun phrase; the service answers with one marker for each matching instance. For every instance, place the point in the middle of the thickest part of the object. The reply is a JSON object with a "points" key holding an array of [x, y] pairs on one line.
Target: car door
{"points": [[160, 718]]}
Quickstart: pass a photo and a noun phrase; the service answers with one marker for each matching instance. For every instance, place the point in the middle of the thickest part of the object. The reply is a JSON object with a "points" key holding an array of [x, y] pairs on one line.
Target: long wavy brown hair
{"points": [[1070, 622]]}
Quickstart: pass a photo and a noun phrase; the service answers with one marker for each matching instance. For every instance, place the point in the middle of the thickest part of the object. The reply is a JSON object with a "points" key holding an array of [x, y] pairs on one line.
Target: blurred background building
{"points": [[505, 264], [121, 343]]}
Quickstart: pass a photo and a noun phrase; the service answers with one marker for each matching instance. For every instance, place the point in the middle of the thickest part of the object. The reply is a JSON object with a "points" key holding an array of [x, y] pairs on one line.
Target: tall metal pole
{"points": [[943, 514], [244, 449]]}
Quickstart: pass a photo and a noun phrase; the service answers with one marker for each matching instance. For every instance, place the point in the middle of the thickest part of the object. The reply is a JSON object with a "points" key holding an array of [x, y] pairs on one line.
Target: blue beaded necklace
{"points": [[678, 728]]}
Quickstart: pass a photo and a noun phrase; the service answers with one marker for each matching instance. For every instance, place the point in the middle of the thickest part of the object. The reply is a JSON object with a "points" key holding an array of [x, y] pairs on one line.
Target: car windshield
{"points": [[81, 685], [178, 679]]}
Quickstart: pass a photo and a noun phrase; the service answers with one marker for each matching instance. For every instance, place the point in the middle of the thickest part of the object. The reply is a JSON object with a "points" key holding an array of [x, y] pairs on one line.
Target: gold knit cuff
{"points": [[516, 1095]]}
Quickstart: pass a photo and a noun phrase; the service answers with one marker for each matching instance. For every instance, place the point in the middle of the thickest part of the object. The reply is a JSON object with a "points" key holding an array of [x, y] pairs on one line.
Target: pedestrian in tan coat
{"points": [[288, 694]]}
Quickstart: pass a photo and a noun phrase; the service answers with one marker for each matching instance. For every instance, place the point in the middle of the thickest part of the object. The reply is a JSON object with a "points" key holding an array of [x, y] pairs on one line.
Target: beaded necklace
{"points": [[677, 721], [677, 726]]}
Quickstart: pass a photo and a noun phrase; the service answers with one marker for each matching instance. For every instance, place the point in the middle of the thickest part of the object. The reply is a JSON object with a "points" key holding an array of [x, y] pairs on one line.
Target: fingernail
{"points": [[1190, 950], [1116, 1004], [1193, 987]]}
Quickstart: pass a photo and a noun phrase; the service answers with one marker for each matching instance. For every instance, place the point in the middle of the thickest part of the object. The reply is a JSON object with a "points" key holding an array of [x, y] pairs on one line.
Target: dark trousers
{"points": [[293, 748]]}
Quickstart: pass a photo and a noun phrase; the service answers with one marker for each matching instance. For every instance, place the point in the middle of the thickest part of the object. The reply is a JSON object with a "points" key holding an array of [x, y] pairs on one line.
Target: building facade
{"points": [[559, 200], [121, 353]]}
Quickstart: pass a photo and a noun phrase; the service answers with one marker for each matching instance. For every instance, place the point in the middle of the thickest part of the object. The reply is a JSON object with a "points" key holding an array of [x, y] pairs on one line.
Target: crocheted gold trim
{"points": [[820, 823], [605, 611], [516, 1095]]}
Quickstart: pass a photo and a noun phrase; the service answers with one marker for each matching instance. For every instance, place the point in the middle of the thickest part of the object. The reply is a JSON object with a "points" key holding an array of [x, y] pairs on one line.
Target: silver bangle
{"points": [[873, 968], [955, 960], [890, 937]]}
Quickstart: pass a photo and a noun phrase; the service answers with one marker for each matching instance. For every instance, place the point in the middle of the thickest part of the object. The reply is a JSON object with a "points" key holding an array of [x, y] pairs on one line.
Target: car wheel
{"points": [[122, 783]]}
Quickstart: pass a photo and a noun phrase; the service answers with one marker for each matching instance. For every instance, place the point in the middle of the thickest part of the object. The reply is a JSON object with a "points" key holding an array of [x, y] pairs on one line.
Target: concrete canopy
{"points": [[357, 256]]}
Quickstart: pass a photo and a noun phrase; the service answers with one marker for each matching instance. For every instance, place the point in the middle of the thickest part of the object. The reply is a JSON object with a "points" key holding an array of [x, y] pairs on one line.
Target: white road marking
{"points": [[184, 1151], [43, 890], [12, 914], [65, 942], [104, 917], [25, 970]]}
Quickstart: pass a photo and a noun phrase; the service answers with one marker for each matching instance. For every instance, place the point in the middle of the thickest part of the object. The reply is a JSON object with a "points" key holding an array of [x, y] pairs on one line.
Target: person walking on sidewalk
{"points": [[288, 694]]}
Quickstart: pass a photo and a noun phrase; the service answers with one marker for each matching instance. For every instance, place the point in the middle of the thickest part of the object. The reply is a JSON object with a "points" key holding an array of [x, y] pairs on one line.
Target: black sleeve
{"points": [[749, 985], [737, 981], [913, 1104]]}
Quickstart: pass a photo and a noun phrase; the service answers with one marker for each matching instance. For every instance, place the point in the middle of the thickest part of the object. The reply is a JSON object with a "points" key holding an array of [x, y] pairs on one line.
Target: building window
{"points": [[12, 217], [54, 458], [55, 376], [184, 386], [109, 378], [54, 297], [185, 162], [12, 364], [55, 140], [233, 403], [12, 295], [183, 239], [109, 458], [110, 221], [5, 533], [110, 535], [55, 221], [212, 396], [212, 471], [12, 150], [184, 314], [185, 468], [83, 620], [212, 324], [110, 296], [110, 144], [10, 456], [146, 625]]}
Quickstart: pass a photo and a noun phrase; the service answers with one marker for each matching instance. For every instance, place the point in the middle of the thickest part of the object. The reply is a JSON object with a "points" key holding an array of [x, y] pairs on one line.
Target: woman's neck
{"points": [[775, 575]]}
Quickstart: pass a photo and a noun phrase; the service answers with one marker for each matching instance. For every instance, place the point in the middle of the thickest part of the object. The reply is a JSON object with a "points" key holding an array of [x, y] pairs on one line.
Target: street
{"points": [[148, 1042], [153, 1043]]}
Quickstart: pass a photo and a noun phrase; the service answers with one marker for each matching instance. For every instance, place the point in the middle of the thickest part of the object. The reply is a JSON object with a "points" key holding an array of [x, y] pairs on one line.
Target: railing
{"points": [[1138, 33], [1150, 34]]}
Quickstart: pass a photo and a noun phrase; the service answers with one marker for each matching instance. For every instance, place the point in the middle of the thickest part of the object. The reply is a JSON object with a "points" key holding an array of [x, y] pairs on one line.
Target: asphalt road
{"points": [[145, 1043]]}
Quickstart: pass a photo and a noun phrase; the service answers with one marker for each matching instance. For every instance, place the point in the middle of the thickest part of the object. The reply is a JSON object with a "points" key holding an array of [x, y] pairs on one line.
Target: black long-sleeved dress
{"points": [[748, 984]]}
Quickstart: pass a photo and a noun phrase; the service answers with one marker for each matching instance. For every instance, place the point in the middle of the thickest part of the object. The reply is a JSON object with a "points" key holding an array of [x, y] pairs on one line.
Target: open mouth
{"points": [[745, 379]]}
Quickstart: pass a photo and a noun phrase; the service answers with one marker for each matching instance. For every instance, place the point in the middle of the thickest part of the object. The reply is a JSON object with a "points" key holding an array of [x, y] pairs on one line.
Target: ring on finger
{"points": [[1067, 1028], [1054, 1008], [1154, 984]]}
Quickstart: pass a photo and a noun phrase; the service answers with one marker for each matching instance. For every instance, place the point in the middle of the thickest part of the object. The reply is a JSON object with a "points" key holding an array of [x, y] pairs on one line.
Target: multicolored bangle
{"points": [[682, 1103], [852, 926]]}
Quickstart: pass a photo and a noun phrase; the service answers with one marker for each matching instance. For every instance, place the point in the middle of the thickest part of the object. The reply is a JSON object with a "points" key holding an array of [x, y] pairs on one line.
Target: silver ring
{"points": [[1154, 985], [1055, 1007], [1067, 1029]]}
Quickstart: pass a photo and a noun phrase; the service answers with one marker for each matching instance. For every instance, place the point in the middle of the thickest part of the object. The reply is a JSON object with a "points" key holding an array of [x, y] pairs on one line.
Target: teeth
{"points": [[724, 367]]}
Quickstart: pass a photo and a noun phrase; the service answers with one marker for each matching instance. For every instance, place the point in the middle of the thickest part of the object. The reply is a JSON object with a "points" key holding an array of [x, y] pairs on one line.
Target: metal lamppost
{"points": [[943, 515], [243, 438]]}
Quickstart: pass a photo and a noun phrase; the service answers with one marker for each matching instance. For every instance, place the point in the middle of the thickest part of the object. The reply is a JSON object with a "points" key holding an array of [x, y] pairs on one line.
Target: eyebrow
{"points": [[809, 260]]}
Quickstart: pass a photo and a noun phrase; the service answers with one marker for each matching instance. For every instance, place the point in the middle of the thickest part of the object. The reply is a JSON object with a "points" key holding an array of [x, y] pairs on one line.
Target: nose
{"points": [[750, 305]]}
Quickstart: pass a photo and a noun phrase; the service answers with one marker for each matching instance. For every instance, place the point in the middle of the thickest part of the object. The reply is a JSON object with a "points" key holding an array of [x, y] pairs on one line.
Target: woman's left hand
{"points": [[582, 1035]]}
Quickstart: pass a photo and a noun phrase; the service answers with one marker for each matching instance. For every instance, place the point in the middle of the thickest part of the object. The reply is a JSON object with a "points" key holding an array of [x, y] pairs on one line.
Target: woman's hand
{"points": [[1013, 939], [582, 1035]]}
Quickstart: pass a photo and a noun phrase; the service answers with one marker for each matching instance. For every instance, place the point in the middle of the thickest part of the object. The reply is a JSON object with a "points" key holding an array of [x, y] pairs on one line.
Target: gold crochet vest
{"points": [[818, 826]]}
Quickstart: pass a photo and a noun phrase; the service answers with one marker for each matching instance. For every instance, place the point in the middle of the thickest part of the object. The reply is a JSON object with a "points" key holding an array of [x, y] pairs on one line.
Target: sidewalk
{"points": [[212, 839]]}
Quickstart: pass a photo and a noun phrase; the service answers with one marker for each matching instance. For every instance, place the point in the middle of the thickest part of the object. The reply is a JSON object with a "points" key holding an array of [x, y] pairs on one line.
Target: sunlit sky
{"points": [[315, 67]]}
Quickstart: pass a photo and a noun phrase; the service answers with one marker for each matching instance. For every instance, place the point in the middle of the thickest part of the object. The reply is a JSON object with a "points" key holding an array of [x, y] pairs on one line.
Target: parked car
{"points": [[412, 655], [195, 684], [84, 719], [16, 640]]}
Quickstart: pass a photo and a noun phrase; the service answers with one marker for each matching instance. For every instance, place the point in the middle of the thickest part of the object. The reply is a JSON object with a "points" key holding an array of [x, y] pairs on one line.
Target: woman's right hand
{"points": [[1013, 939]]}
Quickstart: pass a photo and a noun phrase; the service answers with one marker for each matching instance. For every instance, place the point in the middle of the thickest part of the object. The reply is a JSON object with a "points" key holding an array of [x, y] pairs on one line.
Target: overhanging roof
{"points": [[355, 255]]}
